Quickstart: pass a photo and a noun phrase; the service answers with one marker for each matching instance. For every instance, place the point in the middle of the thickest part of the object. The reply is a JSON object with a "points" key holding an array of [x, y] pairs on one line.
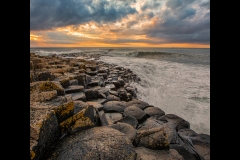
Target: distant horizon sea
{"points": [[177, 80]]}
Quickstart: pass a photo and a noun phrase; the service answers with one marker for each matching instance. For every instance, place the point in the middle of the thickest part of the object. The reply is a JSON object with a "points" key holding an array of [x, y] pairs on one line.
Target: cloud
{"points": [[48, 14]]}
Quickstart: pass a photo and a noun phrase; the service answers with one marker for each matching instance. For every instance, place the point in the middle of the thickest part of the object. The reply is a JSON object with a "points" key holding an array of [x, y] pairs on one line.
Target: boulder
{"points": [[79, 105], [73, 82], [201, 142], [81, 120], [64, 81], [154, 138], [43, 86], [78, 96], [110, 86], [138, 103], [114, 106], [112, 92], [112, 117], [123, 95], [43, 131], [113, 98], [130, 132], [96, 105], [43, 96], [95, 143], [175, 121], [135, 112], [73, 89], [91, 94], [129, 120], [154, 111], [147, 154]]}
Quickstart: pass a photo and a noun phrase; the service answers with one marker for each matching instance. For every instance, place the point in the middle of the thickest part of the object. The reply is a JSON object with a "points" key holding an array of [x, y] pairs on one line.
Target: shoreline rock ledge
{"points": [[81, 108]]}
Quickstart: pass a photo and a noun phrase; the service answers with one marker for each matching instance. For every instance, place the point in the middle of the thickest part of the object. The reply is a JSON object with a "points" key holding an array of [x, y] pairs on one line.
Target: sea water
{"points": [[176, 80]]}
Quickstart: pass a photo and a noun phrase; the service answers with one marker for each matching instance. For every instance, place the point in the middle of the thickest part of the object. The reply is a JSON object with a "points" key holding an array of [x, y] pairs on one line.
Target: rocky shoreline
{"points": [[81, 108]]}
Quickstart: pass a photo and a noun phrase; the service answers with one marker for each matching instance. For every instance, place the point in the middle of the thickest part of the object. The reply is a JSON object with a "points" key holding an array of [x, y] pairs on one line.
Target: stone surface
{"points": [[43, 96], [43, 86], [73, 89], [78, 96], [113, 98], [129, 120], [112, 117], [96, 105], [150, 154], [138, 103], [152, 111], [81, 120], [130, 132], [95, 143], [79, 105], [154, 138], [43, 131], [114, 106], [135, 112]]}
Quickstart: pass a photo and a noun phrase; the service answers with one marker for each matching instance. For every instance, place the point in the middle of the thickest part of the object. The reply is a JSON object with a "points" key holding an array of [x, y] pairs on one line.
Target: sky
{"points": [[120, 23]]}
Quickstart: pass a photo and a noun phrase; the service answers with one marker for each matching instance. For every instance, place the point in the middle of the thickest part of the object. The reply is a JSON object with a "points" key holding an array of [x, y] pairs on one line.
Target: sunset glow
{"points": [[140, 23]]}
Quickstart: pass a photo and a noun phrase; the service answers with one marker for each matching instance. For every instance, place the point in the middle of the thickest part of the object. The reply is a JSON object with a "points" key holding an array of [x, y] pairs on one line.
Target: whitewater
{"points": [[175, 80]]}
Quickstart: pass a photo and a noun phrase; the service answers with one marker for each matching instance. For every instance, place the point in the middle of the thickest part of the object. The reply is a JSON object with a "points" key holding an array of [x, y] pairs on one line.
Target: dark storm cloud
{"points": [[182, 31], [188, 12], [173, 4], [47, 14], [152, 4], [205, 4]]}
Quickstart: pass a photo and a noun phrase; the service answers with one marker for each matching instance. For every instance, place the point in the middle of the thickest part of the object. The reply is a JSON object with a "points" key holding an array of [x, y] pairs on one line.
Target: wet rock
{"points": [[135, 112], [73, 89], [201, 142], [151, 111], [121, 82], [152, 123], [131, 90], [43, 86], [123, 95], [114, 106], [147, 154], [129, 120], [85, 145], [138, 103], [154, 138], [130, 132], [175, 121], [113, 98]]}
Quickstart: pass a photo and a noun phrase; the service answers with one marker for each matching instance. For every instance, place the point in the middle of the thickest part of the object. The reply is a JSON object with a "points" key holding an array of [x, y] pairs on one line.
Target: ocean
{"points": [[177, 80]]}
